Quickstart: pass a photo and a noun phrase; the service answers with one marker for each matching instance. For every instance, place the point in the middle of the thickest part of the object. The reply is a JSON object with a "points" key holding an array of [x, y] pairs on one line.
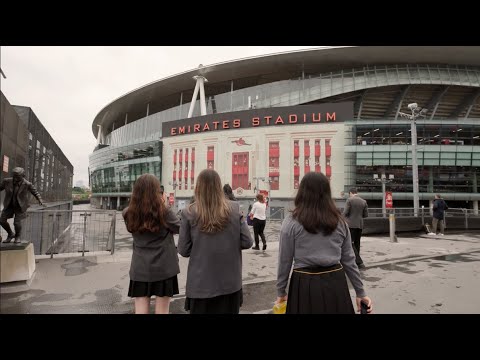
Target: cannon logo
{"points": [[240, 142]]}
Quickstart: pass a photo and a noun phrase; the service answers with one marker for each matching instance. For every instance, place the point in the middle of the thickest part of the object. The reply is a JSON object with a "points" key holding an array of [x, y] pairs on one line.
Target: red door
{"points": [[240, 170]]}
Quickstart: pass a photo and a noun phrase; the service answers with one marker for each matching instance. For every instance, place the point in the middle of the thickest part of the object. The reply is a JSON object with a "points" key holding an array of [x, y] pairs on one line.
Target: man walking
{"points": [[439, 207], [16, 202], [356, 209]]}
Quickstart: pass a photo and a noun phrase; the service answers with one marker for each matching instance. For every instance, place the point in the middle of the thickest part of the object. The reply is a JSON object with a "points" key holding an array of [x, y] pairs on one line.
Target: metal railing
{"points": [[70, 231], [279, 214]]}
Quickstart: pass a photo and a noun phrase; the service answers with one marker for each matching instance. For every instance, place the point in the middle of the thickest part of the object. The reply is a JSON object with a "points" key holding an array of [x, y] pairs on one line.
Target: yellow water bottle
{"points": [[280, 308]]}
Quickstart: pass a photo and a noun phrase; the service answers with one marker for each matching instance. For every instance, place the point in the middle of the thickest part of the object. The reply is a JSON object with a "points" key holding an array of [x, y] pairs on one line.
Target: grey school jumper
{"points": [[305, 249]]}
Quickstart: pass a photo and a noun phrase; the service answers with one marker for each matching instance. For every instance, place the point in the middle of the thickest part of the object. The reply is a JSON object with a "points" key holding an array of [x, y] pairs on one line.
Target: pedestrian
{"points": [[258, 215], [439, 207], [316, 238], [154, 266], [227, 190], [356, 209], [213, 235]]}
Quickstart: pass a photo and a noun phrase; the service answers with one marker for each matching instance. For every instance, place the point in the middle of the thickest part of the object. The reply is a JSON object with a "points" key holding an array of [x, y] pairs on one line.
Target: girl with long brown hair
{"points": [[213, 234], [317, 240], [154, 266]]}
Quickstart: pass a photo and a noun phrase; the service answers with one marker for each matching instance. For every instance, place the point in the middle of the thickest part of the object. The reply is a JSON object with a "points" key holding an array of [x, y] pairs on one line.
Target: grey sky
{"points": [[67, 86]]}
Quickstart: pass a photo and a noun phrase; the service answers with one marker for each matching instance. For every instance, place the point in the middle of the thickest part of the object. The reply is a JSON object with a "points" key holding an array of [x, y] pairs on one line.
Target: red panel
{"points": [[296, 171], [193, 156], [180, 157], [210, 155], [174, 175], [186, 156], [317, 150], [274, 152], [240, 170], [296, 151], [274, 173], [180, 174], [328, 151], [307, 169], [192, 174], [175, 157], [307, 151], [329, 171], [317, 168]]}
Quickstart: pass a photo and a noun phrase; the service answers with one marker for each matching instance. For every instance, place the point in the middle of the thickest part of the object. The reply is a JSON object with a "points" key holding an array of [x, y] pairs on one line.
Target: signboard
{"points": [[171, 199], [388, 200], [275, 116], [5, 163]]}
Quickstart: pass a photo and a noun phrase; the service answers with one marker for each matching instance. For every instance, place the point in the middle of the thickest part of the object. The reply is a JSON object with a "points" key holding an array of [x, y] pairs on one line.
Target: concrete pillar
{"points": [[430, 206], [194, 99], [118, 202], [474, 182], [430, 180], [475, 207], [99, 135]]}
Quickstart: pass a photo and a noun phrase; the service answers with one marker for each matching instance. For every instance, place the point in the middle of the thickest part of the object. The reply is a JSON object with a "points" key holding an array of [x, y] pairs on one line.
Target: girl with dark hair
{"points": [[154, 266], [317, 240], [227, 190], [213, 235]]}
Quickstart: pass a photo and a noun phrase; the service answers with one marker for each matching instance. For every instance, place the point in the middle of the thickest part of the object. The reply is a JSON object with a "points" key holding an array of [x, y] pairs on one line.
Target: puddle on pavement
{"points": [[395, 267], [77, 267], [372, 278], [456, 258]]}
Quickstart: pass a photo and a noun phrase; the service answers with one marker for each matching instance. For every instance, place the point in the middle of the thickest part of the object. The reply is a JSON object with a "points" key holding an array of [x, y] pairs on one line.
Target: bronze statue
{"points": [[16, 202]]}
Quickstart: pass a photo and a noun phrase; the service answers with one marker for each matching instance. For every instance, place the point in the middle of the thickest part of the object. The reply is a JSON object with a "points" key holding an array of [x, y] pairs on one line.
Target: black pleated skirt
{"points": [[168, 287], [319, 290], [223, 304]]}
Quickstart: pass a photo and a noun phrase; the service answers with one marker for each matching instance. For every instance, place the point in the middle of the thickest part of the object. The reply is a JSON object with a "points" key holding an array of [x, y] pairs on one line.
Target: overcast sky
{"points": [[66, 87]]}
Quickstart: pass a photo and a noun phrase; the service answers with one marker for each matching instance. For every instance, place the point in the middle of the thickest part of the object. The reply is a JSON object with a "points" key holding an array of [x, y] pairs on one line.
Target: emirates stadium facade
{"points": [[264, 122]]}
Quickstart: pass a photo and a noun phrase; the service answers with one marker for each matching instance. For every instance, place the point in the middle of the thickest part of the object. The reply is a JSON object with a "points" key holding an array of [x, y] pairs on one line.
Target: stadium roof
{"points": [[318, 60]]}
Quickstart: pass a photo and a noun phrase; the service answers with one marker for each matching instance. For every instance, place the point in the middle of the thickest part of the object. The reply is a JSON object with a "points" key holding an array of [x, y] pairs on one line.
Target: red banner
{"points": [[388, 200], [171, 199]]}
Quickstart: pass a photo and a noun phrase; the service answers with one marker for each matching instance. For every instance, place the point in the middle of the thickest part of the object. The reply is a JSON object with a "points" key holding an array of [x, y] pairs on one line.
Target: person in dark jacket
{"points": [[356, 209], [16, 202], [212, 235], [154, 266], [227, 190], [439, 207]]}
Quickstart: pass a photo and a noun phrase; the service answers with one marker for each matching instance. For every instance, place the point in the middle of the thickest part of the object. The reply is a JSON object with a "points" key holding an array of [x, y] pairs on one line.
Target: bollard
{"points": [[391, 220], [423, 214]]}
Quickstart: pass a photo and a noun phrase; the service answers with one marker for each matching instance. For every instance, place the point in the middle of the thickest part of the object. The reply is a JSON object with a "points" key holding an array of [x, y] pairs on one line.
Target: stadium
{"points": [[263, 122]]}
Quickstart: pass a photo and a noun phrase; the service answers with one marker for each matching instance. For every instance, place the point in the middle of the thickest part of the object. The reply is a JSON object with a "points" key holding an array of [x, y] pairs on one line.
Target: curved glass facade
{"points": [[300, 90]]}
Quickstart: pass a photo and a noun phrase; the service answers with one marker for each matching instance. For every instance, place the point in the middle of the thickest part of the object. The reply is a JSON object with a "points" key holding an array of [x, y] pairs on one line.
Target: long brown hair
{"points": [[314, 207], [210, 206], [146, 210]]}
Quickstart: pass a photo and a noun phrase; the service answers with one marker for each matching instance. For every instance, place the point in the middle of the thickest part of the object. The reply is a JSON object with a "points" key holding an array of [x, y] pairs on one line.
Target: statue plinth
{"points": [[17, 262]]}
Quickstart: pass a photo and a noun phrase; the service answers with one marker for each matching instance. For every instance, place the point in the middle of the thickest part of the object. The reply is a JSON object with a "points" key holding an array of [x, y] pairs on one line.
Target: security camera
{"points": [[413, 106]]}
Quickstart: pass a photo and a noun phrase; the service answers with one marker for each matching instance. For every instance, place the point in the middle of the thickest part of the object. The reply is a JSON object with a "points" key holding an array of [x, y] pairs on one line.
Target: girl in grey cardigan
{"points": [[154, 266], [316, 238], [213, 234]]}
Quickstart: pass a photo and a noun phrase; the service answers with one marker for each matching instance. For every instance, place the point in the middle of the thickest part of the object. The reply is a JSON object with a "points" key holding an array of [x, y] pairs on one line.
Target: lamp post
{"points": [[256, 179], [416, 112], [383, 179], [174, 184]]}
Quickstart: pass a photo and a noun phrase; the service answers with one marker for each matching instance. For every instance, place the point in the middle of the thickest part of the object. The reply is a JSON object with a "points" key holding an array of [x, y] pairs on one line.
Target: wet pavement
{"points": [[419, 274]]}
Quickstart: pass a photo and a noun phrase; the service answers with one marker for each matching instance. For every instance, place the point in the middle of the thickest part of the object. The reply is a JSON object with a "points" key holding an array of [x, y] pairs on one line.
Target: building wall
{"points": [[229, 146], [13, 139]]}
